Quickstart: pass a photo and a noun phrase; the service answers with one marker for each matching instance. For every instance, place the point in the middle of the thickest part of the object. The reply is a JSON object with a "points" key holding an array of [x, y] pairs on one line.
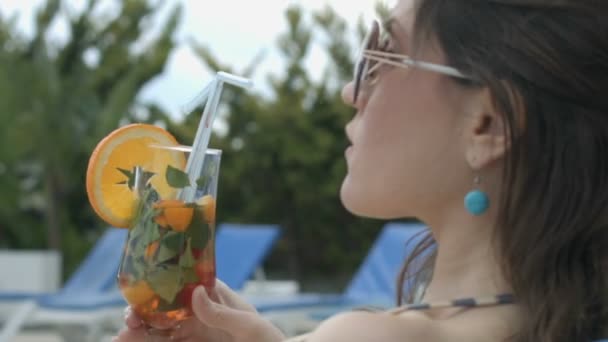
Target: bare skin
{"points": [[432, 137]]}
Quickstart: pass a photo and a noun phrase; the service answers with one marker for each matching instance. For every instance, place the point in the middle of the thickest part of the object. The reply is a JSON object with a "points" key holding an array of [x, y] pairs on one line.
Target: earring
{"points": [[476, 201]]}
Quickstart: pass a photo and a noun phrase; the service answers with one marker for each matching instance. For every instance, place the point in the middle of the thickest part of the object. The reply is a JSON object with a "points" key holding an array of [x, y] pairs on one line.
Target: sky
{"points": [[235, 30]]}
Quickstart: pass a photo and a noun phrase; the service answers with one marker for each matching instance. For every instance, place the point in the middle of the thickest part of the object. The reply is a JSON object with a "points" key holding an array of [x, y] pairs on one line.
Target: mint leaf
{"points": [[173, 240], [137, 229], [166, 282], [130, 182], [189, 275], [150, 233], [198, 231], [145, 210], [151, 197], [127, 173], [176, 178], [202, 182], [187, 260], [207, 175], [138, 249], [147, 176], [165, 254]]}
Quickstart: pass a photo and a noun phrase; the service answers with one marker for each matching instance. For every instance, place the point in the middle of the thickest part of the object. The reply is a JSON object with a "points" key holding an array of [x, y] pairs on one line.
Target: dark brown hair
{"points": [[552, 231]]}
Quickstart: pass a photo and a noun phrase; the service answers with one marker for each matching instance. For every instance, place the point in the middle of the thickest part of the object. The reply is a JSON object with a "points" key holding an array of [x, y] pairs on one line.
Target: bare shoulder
{"points": [[483, 324], [368, 326]]}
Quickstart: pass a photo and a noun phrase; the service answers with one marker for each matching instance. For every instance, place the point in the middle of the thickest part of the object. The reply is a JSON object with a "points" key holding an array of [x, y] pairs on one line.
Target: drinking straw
{"points": [[198, 100], [203, 133]]}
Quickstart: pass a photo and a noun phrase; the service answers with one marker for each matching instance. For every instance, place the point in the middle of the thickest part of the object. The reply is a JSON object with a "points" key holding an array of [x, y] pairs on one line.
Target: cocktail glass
{"points": [[170, 246]]}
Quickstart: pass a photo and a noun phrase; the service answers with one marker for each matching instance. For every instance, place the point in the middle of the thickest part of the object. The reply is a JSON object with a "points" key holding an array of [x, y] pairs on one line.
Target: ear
{"points": [[486, 132]]}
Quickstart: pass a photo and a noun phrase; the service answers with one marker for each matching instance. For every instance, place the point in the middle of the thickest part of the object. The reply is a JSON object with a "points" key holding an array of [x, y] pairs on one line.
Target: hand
{"points": [[220, 316], [190, 330]]}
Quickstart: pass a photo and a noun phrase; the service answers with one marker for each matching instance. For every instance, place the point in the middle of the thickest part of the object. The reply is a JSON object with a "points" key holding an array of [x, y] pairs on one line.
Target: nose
{"points": [[348, 93], [348, 96]]}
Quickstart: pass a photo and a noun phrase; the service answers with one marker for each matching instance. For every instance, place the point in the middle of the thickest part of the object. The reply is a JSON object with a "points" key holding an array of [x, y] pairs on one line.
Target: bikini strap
{"points": [[471, 302]]}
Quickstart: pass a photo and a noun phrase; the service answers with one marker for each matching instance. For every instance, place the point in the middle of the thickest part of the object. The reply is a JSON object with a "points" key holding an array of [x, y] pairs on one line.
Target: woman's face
{"points": [[407, 155]]}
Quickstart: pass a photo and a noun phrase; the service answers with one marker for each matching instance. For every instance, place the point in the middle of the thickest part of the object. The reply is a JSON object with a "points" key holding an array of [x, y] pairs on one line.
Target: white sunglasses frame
{"points": [[362, 69]]}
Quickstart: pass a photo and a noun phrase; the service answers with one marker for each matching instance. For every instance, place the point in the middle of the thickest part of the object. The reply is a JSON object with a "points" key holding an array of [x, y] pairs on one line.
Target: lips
{"points": [[348, 130], [348, 151]]}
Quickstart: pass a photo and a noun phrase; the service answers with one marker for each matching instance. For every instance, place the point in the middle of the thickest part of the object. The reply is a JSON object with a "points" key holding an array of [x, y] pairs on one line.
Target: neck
{"points": [[466, 264]]}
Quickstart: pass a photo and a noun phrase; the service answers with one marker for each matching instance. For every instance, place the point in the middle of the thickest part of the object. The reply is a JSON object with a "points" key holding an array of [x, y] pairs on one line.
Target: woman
{"points": [[502, 103]]}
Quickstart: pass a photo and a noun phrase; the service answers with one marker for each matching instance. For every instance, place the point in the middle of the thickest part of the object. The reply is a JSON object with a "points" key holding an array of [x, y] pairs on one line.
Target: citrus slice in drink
{"points": [[111, 170], [173, 214], [139, 293]]}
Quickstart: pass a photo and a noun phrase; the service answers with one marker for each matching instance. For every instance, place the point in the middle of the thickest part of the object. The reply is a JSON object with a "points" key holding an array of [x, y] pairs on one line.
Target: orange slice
{"points": [[174, 214], [124, 149], [139, 293]]}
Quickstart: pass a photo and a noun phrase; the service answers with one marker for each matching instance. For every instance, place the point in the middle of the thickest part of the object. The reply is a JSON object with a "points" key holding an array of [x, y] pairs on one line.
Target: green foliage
{"points": [[56, 102], [283, 159]]}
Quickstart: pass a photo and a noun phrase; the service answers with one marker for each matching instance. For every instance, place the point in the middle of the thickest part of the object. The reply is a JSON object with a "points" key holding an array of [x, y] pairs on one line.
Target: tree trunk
{"points": [[52, 212], [293, 257]]}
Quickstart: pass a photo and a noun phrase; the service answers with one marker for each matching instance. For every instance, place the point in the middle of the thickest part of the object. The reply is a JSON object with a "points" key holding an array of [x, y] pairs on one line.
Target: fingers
{"points": [[219, 316], [221, 286], [132, 320], [221, 293], [241, 325], [216, 296], [134, 331], [230, 298]]}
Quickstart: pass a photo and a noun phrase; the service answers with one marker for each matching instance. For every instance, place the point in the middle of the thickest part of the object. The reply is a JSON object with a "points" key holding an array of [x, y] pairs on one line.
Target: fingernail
{"points": [[114, 339], [127, 311]]}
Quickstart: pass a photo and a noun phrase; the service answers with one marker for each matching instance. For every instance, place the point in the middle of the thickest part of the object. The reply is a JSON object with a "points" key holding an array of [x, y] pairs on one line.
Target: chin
{"points": [[349, 197], [358, 202]]}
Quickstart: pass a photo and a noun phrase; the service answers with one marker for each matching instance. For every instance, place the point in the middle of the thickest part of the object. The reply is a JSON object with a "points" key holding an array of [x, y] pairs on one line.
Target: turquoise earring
{"points": [[476, 201]]}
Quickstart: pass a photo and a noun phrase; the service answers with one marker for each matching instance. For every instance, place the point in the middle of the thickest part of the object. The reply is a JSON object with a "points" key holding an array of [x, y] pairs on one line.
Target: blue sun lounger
{"points": [[241, 249], [374, 283], [91, 298]]}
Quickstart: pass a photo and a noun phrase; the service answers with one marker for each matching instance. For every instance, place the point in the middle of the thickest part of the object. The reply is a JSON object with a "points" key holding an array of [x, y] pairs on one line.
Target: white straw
{"points": [[235, 80], [203, 133], [187, 194], [197, 100]]}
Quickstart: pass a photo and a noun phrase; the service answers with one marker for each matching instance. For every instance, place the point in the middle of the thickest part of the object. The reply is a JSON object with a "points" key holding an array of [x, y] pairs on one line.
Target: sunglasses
{"points": [[376, 51]]}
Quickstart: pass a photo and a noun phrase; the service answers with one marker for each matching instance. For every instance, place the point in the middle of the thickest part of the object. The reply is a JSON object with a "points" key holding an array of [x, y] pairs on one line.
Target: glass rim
{"points": [[186, 149], [213, 151]]}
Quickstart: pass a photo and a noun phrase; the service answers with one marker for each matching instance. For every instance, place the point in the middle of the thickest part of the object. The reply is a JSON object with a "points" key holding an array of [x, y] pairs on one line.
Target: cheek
{"points": [[397, 155], [380, 164]]}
